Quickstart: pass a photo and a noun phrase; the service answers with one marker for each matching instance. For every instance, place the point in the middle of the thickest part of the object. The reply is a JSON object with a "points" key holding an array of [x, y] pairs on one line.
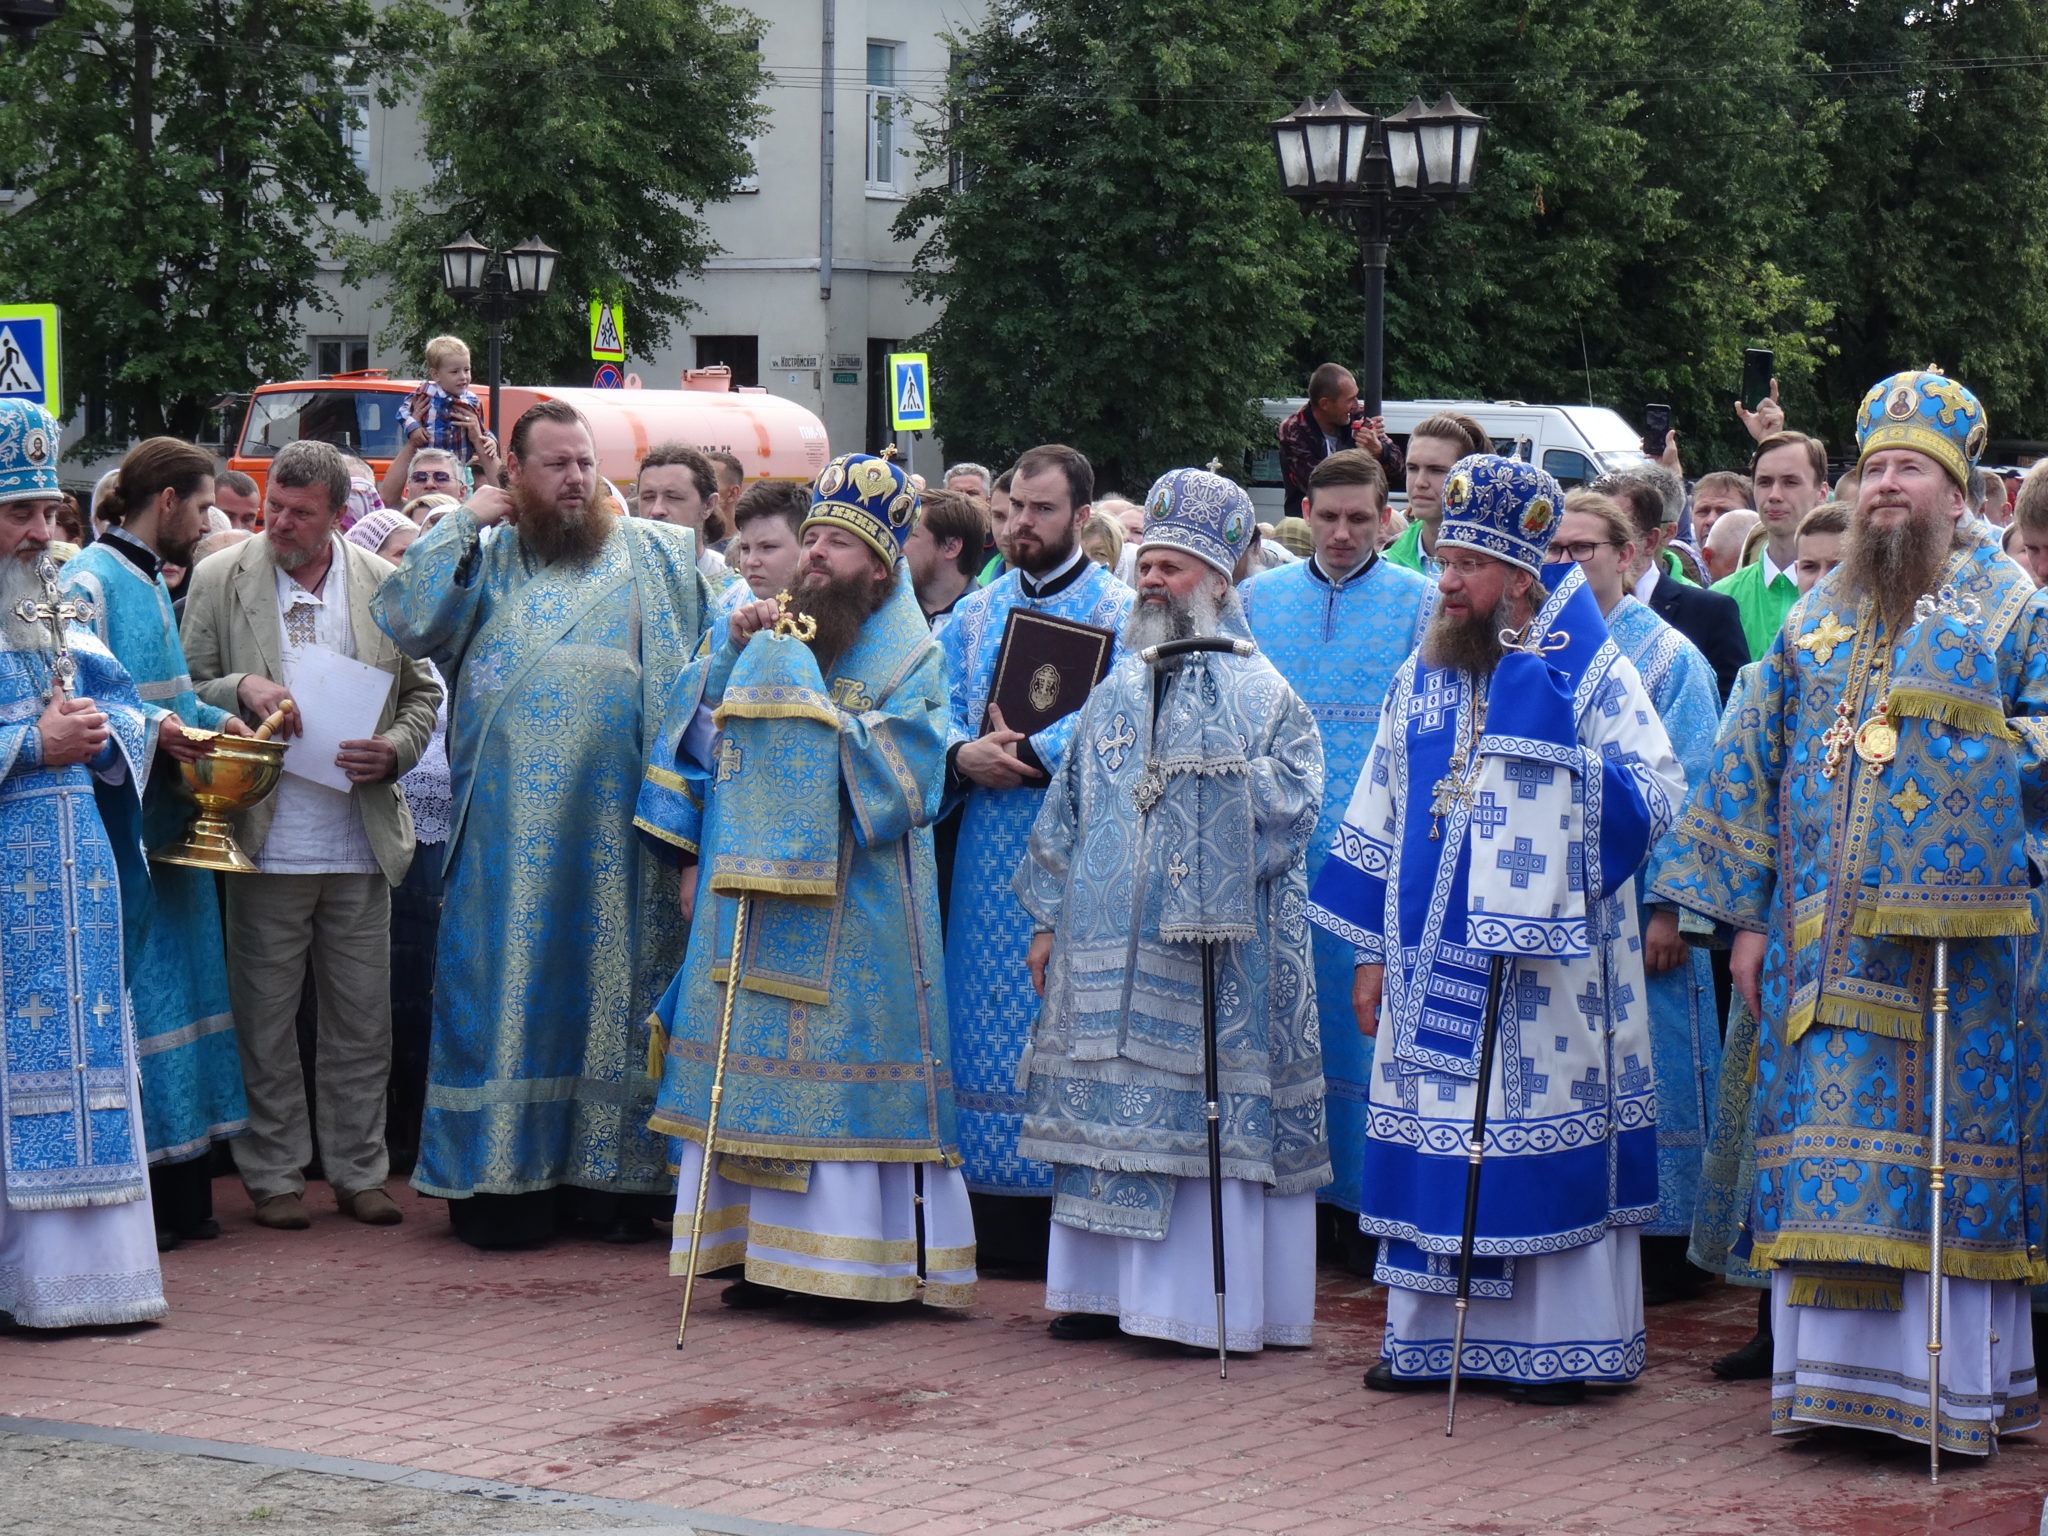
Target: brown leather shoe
{"points": [[372, 1207], [283, 1213]]}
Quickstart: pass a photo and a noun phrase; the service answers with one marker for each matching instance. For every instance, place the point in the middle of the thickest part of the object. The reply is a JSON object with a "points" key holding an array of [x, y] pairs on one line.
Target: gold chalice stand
{"points": [[235, 774]]}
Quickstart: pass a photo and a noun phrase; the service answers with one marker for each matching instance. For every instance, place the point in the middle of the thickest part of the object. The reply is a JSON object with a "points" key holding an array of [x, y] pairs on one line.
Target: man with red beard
{"points": [[560, 636], [797, 775], [1878, 791]]}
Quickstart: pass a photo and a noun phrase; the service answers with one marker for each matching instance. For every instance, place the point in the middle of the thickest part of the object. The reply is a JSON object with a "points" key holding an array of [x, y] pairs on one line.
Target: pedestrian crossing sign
{"points": [[29, 362], [607, 332], [910, 393]]}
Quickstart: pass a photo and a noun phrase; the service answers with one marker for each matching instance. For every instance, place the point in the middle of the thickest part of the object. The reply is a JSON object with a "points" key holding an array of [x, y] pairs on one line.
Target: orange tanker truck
{"points": [[775, 439]]}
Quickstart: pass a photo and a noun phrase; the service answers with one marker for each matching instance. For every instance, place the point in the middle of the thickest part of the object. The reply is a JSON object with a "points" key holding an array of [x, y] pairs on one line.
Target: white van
{"points": [[1576, 443]]}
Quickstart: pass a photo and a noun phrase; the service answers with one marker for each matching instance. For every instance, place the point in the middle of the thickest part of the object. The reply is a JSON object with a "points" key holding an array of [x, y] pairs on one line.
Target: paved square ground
{"points": [[557, 1369]]}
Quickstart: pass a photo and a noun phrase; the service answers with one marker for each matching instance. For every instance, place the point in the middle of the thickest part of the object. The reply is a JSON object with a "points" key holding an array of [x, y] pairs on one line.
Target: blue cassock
{"points": [[1338, 645], [71, 885], [987, 932], [1685, 1037], [178, 982], [1572, 782]]}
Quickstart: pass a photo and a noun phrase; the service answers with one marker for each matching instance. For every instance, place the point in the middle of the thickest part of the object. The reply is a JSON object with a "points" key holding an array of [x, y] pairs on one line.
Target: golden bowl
{"points": [[235, 775]]}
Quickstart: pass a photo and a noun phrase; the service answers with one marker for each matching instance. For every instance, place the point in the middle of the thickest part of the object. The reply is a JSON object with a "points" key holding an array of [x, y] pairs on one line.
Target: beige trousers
{"points": [[342, 923]]}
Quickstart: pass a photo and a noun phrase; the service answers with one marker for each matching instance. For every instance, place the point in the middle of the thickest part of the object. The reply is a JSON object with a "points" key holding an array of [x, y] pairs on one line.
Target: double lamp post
{"points": [[1377, 176], [498, 285]]}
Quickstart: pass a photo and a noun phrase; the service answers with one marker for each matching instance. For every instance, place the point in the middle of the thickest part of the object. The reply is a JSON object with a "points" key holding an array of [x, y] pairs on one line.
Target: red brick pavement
{"points": [[556, 1369]]}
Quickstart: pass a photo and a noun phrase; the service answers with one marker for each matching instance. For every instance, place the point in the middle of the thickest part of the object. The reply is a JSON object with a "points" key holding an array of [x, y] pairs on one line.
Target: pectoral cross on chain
{"points": [[55, 610]]}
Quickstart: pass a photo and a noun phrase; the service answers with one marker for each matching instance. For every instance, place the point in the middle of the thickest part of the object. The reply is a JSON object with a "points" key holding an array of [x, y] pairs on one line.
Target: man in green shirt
{"points": [[1433, 447], [1790, 475]]}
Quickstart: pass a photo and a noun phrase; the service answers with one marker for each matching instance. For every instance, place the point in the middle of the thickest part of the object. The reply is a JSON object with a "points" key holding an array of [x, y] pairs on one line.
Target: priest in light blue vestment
{"points": [[1172, 839], [185, 1031], [1519, 779], [796, 779], [77, 1245], [560, 638], [987, 932], [1337, 625]]}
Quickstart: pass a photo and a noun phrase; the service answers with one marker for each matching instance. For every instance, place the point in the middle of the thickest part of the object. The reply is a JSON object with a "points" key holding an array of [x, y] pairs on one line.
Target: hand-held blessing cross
{"points": [[55, 610]]}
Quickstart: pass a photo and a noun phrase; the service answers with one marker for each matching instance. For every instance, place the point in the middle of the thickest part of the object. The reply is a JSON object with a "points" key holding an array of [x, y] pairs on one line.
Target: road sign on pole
{"points": [[30, 364], [910, 393], [607, 332], [609, 377]]}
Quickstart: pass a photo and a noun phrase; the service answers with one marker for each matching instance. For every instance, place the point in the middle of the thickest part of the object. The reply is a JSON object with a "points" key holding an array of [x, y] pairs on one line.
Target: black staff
{"points": [[1475, 1155], [1212, 1108]]}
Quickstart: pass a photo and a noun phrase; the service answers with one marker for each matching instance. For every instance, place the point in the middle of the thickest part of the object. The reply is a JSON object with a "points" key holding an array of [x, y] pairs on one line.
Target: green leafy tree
{"points": [[182, 162], [1931, 235], [1118, 267], [602, 126]]}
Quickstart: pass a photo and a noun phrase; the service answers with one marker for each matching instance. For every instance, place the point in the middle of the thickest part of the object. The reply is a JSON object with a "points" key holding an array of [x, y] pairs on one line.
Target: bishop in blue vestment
{"points": [[560, 639], [1518, 781], [1338, 625], [987, 932]]}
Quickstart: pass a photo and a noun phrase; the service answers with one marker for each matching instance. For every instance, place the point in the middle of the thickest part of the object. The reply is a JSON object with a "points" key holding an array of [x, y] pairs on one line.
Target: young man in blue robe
{"points": [[560, 638], [1518, 781], [1685, 1038], [184, 1024], [1172, 839], [77, 1244], [1878, 794], [1337, 626], [1002, 776], [796, 779]]}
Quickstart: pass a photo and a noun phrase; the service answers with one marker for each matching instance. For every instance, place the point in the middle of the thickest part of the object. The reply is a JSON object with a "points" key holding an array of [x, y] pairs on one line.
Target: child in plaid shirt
{"points": [[445, 412]]}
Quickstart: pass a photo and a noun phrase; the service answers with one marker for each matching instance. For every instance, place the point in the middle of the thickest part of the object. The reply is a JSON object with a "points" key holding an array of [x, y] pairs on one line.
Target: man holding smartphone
{"points": [[1334, 419]]}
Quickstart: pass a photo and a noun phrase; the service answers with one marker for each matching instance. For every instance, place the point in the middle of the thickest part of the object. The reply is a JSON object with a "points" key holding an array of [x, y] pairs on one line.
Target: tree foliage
{"points": [[181, 161], [602, 126], [1116, 268]]}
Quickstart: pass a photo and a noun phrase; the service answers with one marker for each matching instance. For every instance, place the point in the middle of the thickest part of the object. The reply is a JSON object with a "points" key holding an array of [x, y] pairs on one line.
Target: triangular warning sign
{"points": [[16, 376], [607, 337], [910, 397]]}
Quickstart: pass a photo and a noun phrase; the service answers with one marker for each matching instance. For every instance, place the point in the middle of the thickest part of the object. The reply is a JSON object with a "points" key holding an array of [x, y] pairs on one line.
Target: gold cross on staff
{"points": [[56, 610]]}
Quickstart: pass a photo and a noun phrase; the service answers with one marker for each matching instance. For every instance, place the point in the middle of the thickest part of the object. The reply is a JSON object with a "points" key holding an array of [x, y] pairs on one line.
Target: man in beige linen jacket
{"points": [[326, 858]]}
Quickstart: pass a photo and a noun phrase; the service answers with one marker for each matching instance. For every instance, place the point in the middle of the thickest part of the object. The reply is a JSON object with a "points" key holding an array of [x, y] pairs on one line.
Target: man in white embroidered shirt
{"points": [[326, 857]]}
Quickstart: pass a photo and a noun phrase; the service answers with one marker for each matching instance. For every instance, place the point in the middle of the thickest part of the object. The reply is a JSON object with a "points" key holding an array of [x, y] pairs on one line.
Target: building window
{"points": [[340, 354], [751, 181], [885, 111], [742, 354]]}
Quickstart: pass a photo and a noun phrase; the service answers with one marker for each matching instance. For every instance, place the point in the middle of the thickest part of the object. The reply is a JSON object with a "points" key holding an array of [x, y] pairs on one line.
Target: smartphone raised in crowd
{"points": [[1758, 365], [1656, 429]]}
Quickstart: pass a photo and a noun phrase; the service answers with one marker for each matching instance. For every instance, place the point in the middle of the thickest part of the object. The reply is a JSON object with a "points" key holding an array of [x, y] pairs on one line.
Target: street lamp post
{"points": [[1377, 176], [24, 18], [498, 285]]}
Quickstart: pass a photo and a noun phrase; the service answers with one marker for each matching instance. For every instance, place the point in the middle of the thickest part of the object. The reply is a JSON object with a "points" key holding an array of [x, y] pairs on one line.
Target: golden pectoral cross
{"points": [[791, 624], [1452, 790], [1836, 739]]}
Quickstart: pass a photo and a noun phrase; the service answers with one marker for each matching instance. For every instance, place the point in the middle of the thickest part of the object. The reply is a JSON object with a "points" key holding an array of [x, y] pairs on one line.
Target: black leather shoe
{"points": [[204, 1231], [1380, 1377], [166, 1240], [1548, 1394], [1079, 1327], [1752, 1362], [627, 1229], [752, 1296]]}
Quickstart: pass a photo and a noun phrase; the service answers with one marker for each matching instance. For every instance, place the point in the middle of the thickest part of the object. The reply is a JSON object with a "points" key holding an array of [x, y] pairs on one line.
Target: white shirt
{"points": [[315, 830], [1648, 583], [1772, 570]]}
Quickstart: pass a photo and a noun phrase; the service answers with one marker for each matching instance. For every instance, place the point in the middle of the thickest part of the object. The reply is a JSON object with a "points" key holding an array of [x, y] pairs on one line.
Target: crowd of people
{"points": [[1607, 836]]}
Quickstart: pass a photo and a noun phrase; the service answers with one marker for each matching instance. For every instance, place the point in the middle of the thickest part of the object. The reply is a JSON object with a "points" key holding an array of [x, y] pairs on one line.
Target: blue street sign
{"points": [[29, 362], [910, 394]]}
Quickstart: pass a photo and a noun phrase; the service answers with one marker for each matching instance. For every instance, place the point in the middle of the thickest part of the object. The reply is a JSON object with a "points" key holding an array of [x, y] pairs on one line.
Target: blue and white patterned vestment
{"points": [[1685, 1038], [77, 1242], [987, 932], [1574, 781], [559, 929], [1338, 646], [178, 980]]}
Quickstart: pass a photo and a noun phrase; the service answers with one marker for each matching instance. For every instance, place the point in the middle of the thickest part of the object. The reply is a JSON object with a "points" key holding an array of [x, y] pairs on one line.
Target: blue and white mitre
{"points": [[1925, 410], [28, 452], [1204, 514], [1507, 508], [867, 496]]}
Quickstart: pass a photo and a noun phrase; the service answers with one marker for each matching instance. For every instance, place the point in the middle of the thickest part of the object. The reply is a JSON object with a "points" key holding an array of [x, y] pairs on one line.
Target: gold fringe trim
{"points": [[746, 709], [1963, 714], [1832, 1012], [667, 837], [795, 991], [1847, 1295], [1797, 1022], [657, 1046], [664, 778], [1806, 932], [770, 885], [1889, 919], [1790, 1248]]}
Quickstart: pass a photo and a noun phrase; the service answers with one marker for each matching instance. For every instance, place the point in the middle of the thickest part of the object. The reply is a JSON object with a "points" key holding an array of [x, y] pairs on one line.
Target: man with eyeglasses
{"points": [[1685, 1034], [1484, 874]]}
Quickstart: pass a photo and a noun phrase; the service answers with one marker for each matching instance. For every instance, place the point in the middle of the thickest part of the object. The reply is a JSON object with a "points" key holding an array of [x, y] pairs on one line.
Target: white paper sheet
{"points": [[339, 700]]}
